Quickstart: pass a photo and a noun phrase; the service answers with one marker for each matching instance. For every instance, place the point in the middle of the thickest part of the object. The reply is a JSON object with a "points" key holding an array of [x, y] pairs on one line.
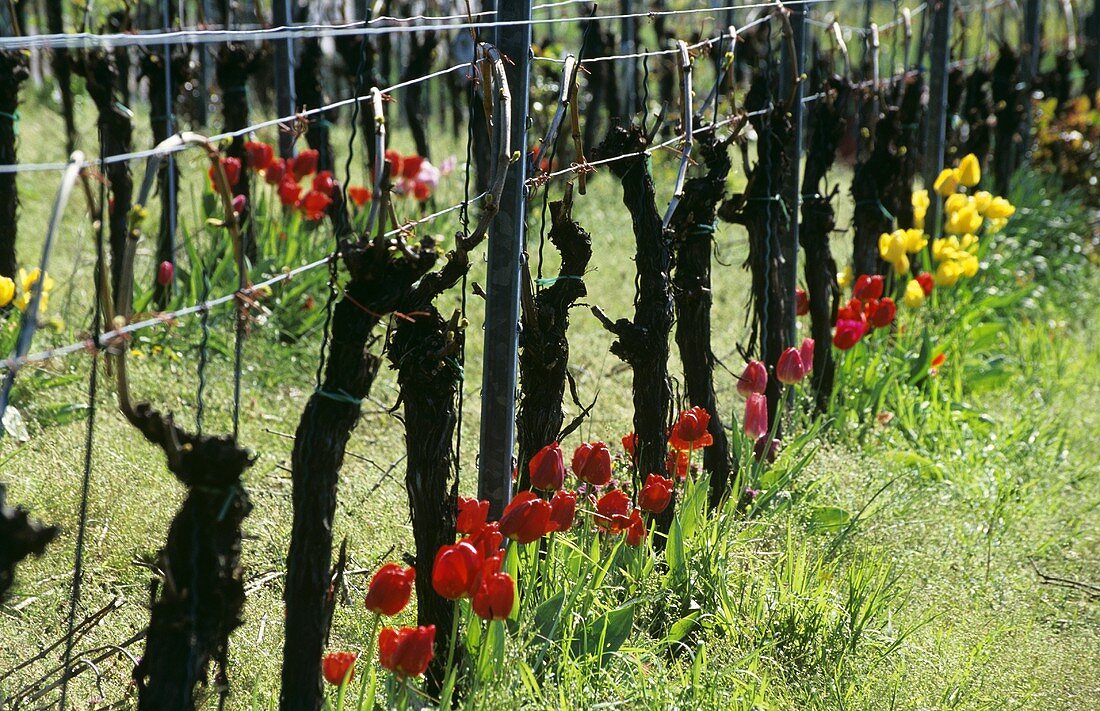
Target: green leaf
{"points": [[828, 518], [547, 615], [682, 627], [674, 551], [605, 635]]}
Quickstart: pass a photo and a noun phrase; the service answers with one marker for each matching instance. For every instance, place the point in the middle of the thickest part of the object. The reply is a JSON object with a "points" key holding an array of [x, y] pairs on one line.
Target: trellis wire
{"points": [[107, 41]]}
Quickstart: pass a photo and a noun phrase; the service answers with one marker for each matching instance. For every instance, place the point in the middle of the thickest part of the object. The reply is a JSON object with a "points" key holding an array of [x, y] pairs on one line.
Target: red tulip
{"points": [[275, 171], [239, 201], [926, 282], [289, 192], [547, 468], [635, 531], [883, 313], [421, 191], [390, 589], [630, 443], [495, 597], [613, 510], [406, 651], [868, 287], [324, 183], [165, 273], [852, 311], [563, 509], [232, 168], [338, 667], [526, 518], [756, 416], [754, 379], [394, 159], [410, 166], [790, 369], [258, 155], [592, 462], [677, 462], [456, 570], [487, 540], [314, 204], [801, 302], [305, 163], [656, 494], [690, 430], [807, 353], [359, 195], [848, 333], [472, 515]]}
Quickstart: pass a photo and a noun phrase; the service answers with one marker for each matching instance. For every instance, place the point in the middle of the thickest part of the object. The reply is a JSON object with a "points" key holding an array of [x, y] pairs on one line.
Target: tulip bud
{"points": [[547, 468], [338, 667], [656, 494], [756, 416], [807, 353], [801, 302], [592, 463], [239, 201], [754, 379], [390, 589], [166, 272], [789, 369]]}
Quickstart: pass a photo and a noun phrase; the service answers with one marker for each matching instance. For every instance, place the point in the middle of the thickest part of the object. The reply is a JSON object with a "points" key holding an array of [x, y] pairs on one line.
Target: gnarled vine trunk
{"points": [[693, 229], [14, 70], [544, 347], [642, 343]]}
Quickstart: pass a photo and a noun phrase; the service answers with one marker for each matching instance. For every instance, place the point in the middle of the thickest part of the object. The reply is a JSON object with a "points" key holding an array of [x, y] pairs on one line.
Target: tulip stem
{"points": [[369, 656], [454, 637]]}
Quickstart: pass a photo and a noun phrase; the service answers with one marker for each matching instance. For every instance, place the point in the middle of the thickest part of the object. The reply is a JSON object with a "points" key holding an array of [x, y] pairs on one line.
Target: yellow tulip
{"points": [[844, 278], [969, 266], [891, 246], [982, 199], [29, 280], [920, 200], [7, 291], [999, 208], [901, 265], [956, 202], [914, 294], [947, 274], [996, 224], [970, 171], [915, 240], [969, 242], [946, 182], [24, 300]]}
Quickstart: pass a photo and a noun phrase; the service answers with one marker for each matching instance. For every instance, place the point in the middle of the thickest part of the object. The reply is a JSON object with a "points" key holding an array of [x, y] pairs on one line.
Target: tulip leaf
{"points": [[682, 627], [674, 551], [547, 615], [828, 518], [691, 509], [604, 635]]}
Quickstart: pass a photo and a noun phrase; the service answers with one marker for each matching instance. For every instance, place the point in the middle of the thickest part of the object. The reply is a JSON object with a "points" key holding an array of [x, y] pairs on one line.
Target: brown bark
{"points": [[14, 69], [19, 537]]}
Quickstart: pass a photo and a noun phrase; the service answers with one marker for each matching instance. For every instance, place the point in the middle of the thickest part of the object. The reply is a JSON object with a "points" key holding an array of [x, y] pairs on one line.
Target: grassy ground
{"points": [[956, 536]]}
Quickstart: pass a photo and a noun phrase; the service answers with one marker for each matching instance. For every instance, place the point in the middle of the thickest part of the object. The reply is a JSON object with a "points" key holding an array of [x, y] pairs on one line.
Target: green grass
{"points": [[929, 600]]}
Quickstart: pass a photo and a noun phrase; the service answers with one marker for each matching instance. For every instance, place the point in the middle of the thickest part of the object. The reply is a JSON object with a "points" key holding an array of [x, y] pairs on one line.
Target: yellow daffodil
{"points": [[7, 291], [914, 294], [970, 171], [999, 208], [982, 199], [915, 240], [946, 182], [955, 202]]}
